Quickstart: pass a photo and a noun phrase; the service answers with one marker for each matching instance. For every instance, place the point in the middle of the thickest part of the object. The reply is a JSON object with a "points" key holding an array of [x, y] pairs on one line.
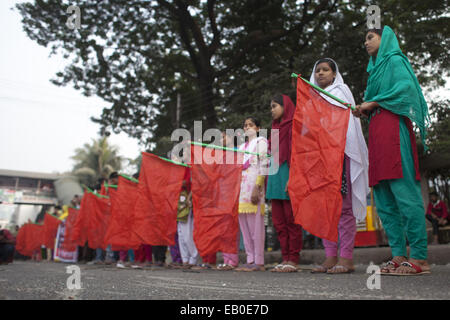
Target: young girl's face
{"points": [[372, 43], [250, 128], [324, 75], [277, 110]]}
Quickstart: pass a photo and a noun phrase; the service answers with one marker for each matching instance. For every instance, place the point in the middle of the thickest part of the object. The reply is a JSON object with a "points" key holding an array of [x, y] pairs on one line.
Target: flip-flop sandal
{"points": [[244, 268], [225, 267], [202, 266], [278, 268], [339, 267], [254, 267], [385, 270], [319, 269], [418, 269], [289, 268]]}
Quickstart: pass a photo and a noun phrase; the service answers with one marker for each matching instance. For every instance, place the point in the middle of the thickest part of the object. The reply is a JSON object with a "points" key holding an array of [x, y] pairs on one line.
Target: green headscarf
{"points": [[393, 84]]}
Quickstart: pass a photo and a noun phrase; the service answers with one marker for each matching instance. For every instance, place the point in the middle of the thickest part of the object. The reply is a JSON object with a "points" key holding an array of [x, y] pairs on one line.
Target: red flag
{"points": [[70, 222], [159, 188], [215, 195], [123, 200], [51, 224], [318, 143], [103, 190], [80, 227], [99, 215], [29, 239]]}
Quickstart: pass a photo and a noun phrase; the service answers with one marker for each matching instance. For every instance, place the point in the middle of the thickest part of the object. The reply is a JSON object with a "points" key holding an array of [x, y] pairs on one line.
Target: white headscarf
{"points": [[355, 147]]}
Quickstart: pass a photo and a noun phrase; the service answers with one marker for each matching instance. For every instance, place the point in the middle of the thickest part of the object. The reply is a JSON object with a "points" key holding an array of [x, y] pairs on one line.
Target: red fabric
{"points": [[143, 253], [29, 239], [284, 125], [439, 209], [103, 190], [210, 258], [98, 221], [68, 231], [123, 200], [318, 143], [80, 227], [215, 195], [159, 187], [187, 178], [51, 224], [385, 160], [290, 234]]}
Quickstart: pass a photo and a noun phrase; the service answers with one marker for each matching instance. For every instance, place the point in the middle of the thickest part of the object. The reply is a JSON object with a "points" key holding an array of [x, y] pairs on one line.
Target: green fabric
{"points": [[400, 207], [393, 84], [277, 183]]}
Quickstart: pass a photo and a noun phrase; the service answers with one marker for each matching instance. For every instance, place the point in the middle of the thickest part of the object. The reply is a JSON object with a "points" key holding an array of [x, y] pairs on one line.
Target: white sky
{"points": [[41, 124]]}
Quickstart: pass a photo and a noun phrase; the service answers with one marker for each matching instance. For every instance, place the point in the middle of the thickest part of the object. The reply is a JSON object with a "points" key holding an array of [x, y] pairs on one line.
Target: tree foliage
{"points": [[224, 58], [96, 161]]}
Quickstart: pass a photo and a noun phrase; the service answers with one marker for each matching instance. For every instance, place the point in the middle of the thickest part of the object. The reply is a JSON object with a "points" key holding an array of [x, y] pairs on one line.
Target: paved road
{"points": [[48, 280]]}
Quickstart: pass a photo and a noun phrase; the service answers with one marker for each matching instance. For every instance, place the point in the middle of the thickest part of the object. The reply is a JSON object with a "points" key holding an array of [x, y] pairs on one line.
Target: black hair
{"points": [[278, 98], [113, 175], [256, 121], [377, 31], [329, 61], [434, 193], [136, 175]]}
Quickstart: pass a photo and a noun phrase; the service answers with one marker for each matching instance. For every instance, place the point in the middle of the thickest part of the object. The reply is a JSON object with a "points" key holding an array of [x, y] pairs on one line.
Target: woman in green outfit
{"points": [[393, 100]]}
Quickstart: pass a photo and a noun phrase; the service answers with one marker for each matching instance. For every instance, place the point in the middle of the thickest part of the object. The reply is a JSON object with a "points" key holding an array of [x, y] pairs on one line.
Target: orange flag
{"points": [[99, 215], [80, 226], [70, 222], [159, 188], [215, 196], [51, 224], [123, 200], [318, 142], [29, 239]]}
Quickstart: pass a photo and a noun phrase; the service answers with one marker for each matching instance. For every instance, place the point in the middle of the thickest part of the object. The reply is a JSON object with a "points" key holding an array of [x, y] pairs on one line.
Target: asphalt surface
{"points": [[26, 280]]}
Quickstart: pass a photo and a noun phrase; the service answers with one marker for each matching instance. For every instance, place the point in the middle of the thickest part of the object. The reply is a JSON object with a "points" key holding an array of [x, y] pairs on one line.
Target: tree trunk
{"points": [[207, 100]]}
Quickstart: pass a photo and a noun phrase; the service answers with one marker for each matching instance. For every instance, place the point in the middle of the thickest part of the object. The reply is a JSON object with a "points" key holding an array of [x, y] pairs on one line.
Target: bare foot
{"points": [[327, 264]]}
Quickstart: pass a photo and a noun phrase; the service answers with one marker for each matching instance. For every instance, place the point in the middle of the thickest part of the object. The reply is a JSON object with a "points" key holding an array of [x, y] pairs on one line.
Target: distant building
{"points": [[24, 195]]}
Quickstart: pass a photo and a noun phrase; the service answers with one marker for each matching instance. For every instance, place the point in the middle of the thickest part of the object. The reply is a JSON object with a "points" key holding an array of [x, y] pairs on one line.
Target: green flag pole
{"points": [[174, 162], [348, 105], [129, 178], [228, 149]]}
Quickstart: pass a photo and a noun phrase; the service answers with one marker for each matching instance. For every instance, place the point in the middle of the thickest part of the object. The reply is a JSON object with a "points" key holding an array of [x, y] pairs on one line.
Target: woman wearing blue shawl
{"points": [[393, 101]]}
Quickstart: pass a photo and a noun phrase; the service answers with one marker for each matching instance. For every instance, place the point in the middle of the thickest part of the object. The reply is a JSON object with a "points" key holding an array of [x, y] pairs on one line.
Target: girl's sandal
{"points": [[418, 270], [289, 268], [389, 267], [319, 269], [278, 268], [339, 269], [202, 266]]}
